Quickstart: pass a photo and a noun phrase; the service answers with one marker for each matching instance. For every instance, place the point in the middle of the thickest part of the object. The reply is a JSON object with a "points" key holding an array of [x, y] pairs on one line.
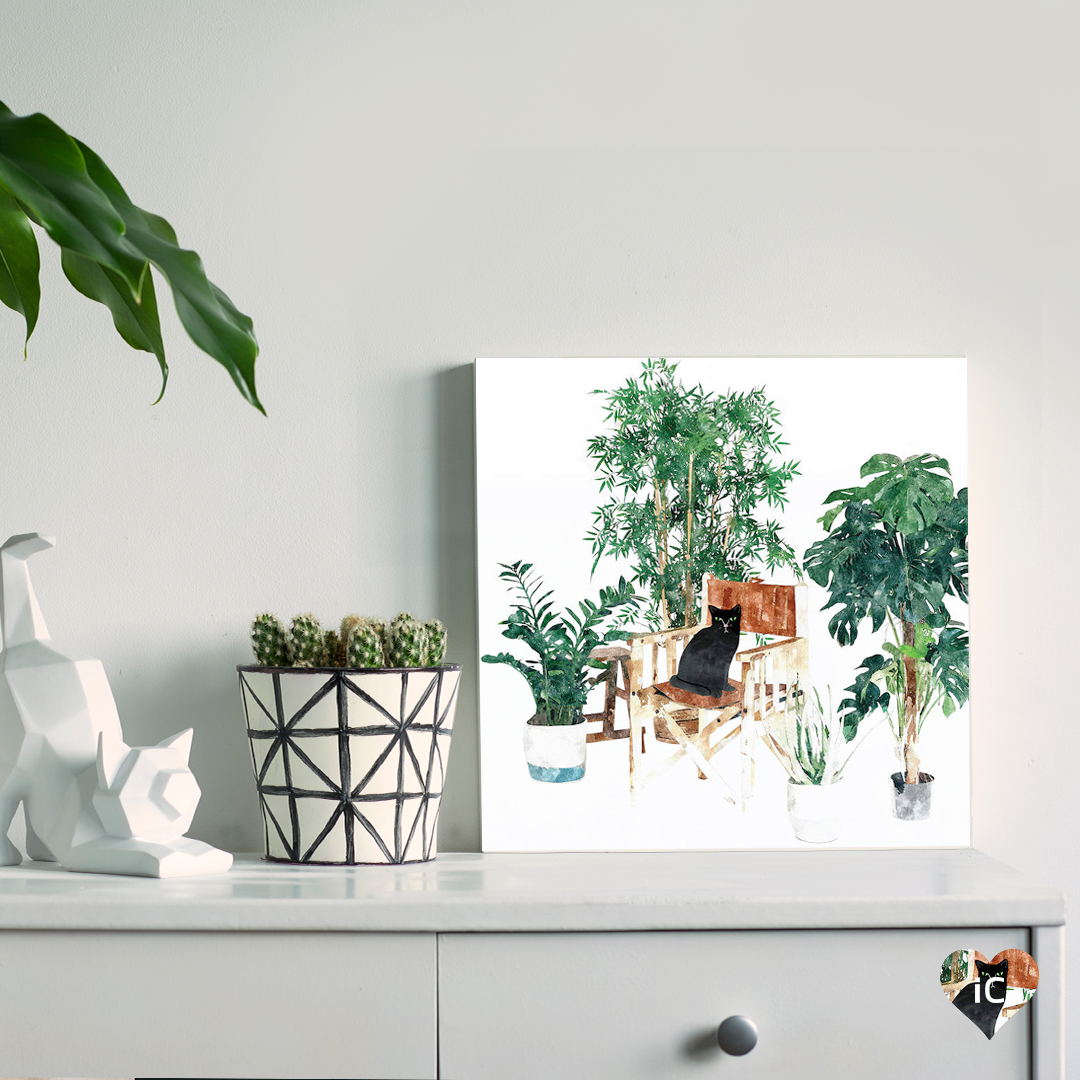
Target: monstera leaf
{"points": [[908, 493], [108, 245]]}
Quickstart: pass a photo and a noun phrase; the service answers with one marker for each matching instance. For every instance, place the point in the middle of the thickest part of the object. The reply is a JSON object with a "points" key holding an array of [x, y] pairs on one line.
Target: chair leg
{"points": [[609, 700], [749, 739], [697, 757], [637, 743]]}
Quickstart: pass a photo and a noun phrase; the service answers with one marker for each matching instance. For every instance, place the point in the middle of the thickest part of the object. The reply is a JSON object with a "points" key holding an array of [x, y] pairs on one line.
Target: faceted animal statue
{"points": [[91, 802]]}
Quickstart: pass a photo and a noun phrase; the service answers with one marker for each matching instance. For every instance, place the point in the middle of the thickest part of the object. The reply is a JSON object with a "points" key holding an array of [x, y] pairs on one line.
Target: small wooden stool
{"points": [[617, 657]]}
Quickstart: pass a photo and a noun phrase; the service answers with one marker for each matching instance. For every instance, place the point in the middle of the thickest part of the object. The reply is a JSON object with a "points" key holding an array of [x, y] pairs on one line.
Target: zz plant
{"points": [[898, 550], [360, 642], [107, 246], [559, 676], [686, 474]]}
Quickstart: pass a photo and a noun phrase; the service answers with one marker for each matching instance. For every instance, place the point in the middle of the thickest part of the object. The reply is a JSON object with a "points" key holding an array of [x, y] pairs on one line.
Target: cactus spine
{"points": [[306, 641], [406, 642], [268, 641], [436, 636], [364, 649]]}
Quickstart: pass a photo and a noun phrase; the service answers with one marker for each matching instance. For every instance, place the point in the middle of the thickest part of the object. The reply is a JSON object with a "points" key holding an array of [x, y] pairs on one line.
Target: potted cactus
{"points": [[350, 731]]}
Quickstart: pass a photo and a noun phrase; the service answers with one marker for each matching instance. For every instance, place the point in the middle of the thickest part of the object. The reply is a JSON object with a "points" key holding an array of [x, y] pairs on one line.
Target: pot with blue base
{"points": [[555, 753]]}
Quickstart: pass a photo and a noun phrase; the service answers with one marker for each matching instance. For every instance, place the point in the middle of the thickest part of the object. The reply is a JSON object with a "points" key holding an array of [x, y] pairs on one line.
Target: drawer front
{"points": [[833, 1004], [179, 1004]]}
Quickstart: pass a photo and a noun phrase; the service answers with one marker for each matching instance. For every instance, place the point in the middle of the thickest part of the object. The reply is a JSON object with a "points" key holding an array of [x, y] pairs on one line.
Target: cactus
{"points": [[333, 649], [268, 640], [406, 642], [361, 642], [380, 628], [364, 648], [348, 624], [435, 633], [306, 641]]}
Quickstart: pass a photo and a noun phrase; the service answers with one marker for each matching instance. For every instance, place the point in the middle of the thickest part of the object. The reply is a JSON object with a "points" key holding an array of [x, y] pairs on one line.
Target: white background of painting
{"points": [[536, 492]]}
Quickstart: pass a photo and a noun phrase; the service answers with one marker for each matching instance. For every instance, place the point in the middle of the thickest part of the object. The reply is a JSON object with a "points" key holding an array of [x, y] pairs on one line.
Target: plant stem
{"points": [[687, 597], [911, 707], [661, 548], [727, 530]]}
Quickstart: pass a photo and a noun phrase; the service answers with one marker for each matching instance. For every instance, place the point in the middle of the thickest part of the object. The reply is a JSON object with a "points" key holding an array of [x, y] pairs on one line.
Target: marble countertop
{"points": [[549, 892]]}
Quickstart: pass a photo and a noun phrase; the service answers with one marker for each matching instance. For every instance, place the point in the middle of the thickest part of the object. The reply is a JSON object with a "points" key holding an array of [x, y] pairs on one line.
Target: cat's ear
{"points": [[737, 609], [715, 612], [181, 742], [111, 752]]}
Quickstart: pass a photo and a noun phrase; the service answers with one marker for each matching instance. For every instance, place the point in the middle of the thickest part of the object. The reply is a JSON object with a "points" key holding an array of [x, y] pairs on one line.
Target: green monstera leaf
{"points": [[108, 245]]}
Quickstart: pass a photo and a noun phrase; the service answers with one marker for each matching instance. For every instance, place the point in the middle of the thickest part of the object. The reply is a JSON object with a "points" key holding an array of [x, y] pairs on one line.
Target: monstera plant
{"points": [[898, 551], [107, 246]]}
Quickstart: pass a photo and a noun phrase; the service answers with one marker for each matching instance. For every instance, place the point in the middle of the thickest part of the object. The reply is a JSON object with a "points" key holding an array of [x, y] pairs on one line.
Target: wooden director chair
{"points": [[700, 727]]}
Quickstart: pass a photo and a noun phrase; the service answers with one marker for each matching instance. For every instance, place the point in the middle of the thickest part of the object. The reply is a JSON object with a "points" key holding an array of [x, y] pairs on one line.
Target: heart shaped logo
{"points": [[989, 992]]}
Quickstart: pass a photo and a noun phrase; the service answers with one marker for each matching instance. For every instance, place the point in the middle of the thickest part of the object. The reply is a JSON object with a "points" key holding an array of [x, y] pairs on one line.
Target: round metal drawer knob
{"points": [[737, 1035]]}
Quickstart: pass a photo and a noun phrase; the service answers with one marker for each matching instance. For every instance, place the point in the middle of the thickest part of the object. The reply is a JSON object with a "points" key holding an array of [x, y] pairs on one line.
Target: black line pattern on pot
{"points": [[347, 793], [245, 693]]}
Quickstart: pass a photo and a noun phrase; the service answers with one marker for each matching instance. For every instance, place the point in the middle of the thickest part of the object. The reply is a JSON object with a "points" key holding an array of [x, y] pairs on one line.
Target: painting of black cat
{"points": [[981, 1001], [703, 668]]}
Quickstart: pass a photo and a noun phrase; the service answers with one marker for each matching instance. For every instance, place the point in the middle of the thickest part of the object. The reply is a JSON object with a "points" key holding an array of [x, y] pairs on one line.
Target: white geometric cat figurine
{"points": [[91, 802]]}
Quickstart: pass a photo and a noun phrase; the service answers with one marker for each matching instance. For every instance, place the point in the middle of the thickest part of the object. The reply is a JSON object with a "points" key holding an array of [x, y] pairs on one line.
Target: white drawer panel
{"points": [[829, 1004], [188, 1004]]}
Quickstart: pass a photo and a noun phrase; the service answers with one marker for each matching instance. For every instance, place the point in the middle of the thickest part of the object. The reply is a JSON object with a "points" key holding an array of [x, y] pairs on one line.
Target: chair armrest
{"points": [[758, 650], [662, 636]]}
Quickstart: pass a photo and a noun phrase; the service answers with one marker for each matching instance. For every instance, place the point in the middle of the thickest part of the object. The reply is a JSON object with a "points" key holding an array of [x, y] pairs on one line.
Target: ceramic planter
{"points": [[349, 763], [911, 802], [815, 811], [555, 753]]}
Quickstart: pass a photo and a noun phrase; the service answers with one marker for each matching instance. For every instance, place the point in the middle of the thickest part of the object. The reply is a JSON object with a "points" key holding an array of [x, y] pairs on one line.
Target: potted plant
{"points": [[560, 674], [350, 731], [107, 246], [898, 552], [687, 472], [814, 753]]}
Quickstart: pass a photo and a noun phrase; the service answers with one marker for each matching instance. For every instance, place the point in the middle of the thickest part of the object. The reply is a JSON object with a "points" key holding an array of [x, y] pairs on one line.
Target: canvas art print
{"points": [[723, 603]]}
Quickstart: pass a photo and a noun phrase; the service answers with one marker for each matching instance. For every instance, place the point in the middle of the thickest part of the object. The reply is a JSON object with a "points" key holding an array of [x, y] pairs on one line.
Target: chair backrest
{"points": [[776, 610]]}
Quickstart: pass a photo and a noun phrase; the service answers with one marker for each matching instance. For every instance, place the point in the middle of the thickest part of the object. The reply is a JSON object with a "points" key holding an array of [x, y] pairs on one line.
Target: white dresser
{"points": [[520, 966]]}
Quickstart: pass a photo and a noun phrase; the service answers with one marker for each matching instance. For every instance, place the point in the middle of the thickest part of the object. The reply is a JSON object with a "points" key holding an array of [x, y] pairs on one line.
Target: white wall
{"points": [[391, 189]]}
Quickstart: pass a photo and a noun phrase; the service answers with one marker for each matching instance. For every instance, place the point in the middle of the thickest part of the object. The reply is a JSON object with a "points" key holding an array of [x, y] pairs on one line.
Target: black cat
{"points": [[703, 668], [981, 1001]]}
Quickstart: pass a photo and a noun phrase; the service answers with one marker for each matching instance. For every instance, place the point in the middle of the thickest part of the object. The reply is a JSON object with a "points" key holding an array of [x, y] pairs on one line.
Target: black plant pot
{"points": [[349, 763], [911, 802]]}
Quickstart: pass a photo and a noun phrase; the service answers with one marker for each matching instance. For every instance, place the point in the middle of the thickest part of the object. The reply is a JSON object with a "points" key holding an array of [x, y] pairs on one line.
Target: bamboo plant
{"points": [[898, 552], [686, 473], [107, 246]]}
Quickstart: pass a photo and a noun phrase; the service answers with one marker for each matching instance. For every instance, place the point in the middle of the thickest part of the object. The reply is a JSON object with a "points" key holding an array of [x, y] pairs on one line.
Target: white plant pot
{"points": [[555, 753], [349, 762], [815, 811]]}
